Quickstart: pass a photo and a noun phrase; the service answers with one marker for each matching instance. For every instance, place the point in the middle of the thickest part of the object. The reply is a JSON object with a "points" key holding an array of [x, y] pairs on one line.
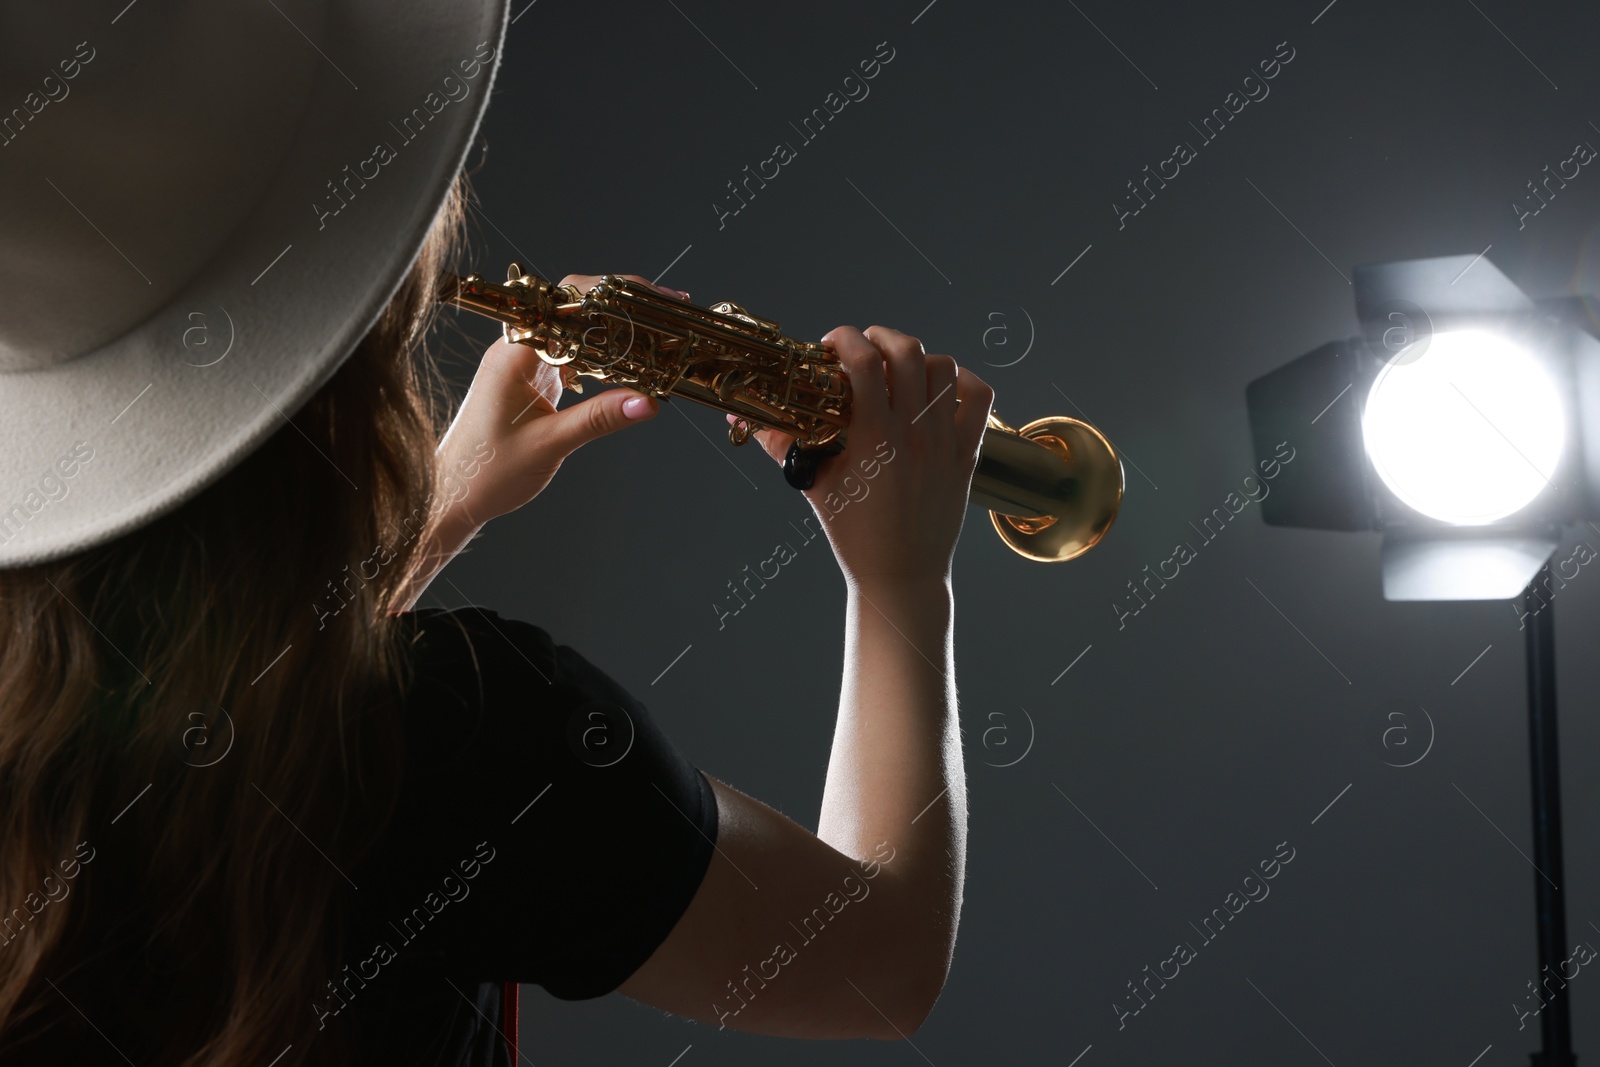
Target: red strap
{"points": [[508, 1014]]}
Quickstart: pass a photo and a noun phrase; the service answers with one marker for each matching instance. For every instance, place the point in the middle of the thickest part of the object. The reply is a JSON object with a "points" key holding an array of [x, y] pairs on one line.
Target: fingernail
{"points": [[636, 407], [683, 294]]}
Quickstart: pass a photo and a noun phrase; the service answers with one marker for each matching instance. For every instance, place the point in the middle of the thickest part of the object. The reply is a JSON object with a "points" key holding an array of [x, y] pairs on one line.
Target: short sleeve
{"points": [[548, 830]]}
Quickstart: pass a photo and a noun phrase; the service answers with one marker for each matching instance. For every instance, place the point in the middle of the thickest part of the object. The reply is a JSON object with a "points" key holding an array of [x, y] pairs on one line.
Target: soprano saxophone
{"points": [[1053, 486]]}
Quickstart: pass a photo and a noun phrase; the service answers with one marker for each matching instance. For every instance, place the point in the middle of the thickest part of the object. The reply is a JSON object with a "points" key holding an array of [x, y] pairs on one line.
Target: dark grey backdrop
{"points": [[947, 203]]}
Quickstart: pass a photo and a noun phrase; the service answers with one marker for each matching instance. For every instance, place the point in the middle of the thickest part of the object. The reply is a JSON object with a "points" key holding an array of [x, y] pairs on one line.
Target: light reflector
{"points": [[1467, 427]]}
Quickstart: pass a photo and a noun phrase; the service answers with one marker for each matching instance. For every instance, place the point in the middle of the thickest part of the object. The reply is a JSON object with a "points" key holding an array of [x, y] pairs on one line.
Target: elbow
{"points": [[917, 992], [910, 1020], [921, 968]]}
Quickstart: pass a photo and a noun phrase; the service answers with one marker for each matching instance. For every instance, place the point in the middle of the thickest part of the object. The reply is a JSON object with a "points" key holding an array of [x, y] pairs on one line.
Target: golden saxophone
{"points": [[1053, 487]]}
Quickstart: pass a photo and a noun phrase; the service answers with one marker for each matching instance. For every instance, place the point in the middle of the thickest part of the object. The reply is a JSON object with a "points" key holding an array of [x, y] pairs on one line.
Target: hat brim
{"points": [[105, 443]]}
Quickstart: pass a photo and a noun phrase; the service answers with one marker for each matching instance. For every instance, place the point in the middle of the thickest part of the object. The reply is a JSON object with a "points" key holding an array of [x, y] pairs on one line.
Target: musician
{"points": [[259, 804]]}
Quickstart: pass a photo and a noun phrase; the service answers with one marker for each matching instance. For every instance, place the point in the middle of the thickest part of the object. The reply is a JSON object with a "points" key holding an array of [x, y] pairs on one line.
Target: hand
{"points": [[508, 440], [894, 500]]}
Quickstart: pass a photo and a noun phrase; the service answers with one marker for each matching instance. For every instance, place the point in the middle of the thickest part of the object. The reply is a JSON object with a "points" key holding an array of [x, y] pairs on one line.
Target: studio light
{"points": [[1463, 425], [1466, 427]]}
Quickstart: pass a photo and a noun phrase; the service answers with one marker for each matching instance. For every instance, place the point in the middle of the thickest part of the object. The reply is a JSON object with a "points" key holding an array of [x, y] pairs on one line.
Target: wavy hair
{"points": [[193, 753]]}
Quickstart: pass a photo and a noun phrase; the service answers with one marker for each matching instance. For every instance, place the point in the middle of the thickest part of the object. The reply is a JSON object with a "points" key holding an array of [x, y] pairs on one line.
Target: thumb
{"points": [[570, 429]]}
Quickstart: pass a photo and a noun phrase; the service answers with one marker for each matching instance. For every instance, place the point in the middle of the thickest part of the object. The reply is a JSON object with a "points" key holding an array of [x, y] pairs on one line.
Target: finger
{"points": [[564, 432], [940, 411], [584, 282], [774, 443], [972, 415], [908, 376], [523, 383], [658, 288], [581, 282], [862, 363]]}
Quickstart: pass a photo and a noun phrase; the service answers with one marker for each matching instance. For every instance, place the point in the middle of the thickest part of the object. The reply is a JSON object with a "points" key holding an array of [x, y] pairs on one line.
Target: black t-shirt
{"points": [[547, 832]]}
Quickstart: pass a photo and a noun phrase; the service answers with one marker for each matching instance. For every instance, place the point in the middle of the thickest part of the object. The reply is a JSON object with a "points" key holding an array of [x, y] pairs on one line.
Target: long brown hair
{"points": [[196, 748]]}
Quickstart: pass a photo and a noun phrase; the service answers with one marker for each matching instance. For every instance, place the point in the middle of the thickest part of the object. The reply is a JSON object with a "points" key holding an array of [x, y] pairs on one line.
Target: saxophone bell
{"points": [[1053, 487]]}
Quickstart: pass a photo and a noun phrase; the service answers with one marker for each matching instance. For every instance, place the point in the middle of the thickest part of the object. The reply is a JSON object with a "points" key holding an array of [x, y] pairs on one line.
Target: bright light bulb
{"points": [[1467, 432]]}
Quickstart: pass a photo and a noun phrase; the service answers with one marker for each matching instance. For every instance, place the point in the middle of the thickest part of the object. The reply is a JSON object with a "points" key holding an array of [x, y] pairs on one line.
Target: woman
{"points": [[236, 829]]}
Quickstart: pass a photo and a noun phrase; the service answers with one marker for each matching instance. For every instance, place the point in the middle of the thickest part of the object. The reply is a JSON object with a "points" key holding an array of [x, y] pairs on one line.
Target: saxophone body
{"points": [[1053, 487]]}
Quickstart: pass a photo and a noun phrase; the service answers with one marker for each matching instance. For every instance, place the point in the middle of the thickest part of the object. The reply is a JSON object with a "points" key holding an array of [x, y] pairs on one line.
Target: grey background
{"points": [[1206, 731]]}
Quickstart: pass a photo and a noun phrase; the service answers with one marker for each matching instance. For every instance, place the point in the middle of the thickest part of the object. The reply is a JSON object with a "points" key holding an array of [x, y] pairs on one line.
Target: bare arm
{"points": [[894, 799], [440, 544], [508, 440], [896, 771], [787, 935]]}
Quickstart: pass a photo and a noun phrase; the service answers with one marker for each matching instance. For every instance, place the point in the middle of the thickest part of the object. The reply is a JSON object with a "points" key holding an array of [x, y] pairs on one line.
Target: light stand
{"points": [[1555, 1021], [1407, 461]]}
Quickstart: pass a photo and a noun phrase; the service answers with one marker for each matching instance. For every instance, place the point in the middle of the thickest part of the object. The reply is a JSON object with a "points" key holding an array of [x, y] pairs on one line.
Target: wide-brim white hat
{"points": [[203, 207]]}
